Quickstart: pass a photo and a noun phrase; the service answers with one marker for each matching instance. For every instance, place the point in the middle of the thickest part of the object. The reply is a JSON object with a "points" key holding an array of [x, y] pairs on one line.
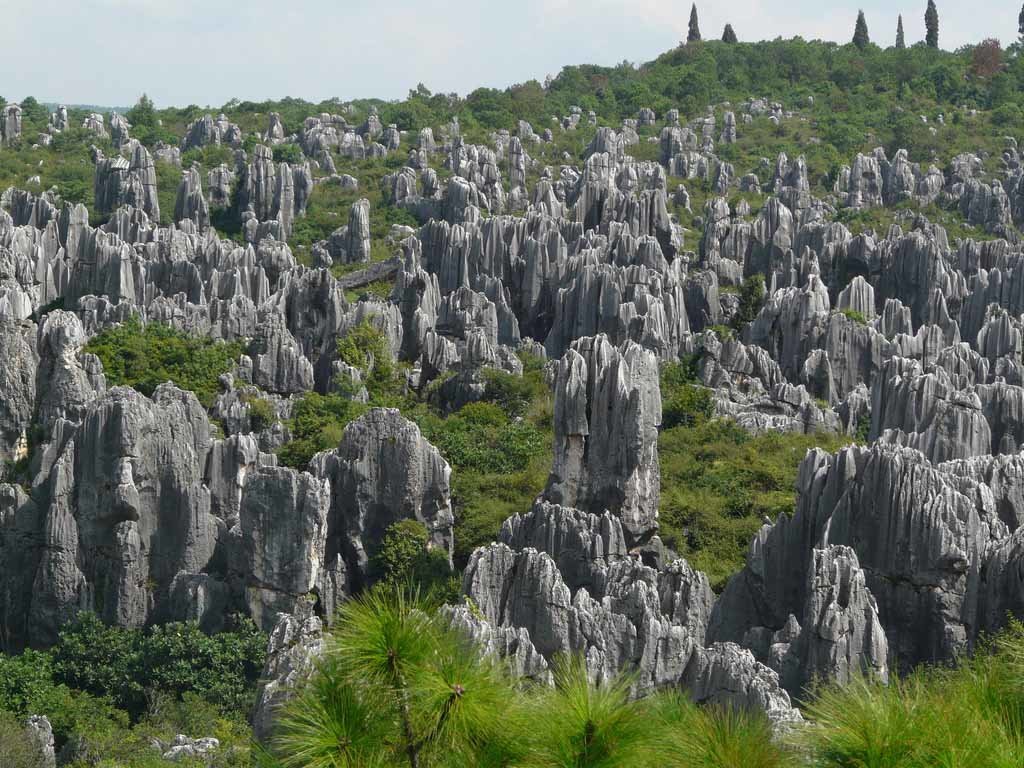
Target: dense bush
{"points": [[752, 293], [684, 401], [405, 560], [400, 687], [365, 347], [317, 424], [967, 716], [109, 691], [143, 357], [481, 438], [125, 665], [718, 483], [17, 750]]}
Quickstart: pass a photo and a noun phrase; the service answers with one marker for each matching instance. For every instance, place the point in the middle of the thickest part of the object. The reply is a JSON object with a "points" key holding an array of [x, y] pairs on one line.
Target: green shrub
{"points": [[513, 394], [481, 438], [752, 293], [143, 357], [853, 314], [718, 482], [24, 679], [401, 546], [684, 401], [863, 428], [317, 424], [288, 153], [972, 715], [17, 750], [365, 347], [723, 332], [261, 413], [716, 737], [405, 560], [125, 664]]}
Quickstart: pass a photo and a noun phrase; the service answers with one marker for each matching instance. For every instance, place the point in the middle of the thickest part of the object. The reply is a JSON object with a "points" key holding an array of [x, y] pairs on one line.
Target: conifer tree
{"points": [[694, 33], [860, 33], [1020, 22], [729, 35], [901, 41], [931, 23]]}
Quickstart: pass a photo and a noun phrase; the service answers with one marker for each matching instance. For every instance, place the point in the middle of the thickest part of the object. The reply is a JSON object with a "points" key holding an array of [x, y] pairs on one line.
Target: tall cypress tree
{"points": [[729, 35], [901, 41], [860, 32], [694, 33], [931, 23], [1020, 22]]}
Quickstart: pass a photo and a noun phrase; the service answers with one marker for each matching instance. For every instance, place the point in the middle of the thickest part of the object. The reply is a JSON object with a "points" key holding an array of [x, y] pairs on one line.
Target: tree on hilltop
{"points": [[931, 23], [860, 32], [693, 35]]}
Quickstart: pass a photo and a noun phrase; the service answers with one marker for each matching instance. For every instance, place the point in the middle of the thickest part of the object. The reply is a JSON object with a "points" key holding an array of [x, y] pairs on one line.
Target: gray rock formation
{"points": [[190, 203], [351, 244], [40, 732], [607, 413], [10, 124], [900, 516], [382, 472], [295, 645]]}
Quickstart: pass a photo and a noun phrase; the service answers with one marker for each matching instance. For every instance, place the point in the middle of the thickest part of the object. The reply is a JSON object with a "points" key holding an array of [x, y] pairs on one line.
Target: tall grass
{"points": [[968, 716], [399, 688]]}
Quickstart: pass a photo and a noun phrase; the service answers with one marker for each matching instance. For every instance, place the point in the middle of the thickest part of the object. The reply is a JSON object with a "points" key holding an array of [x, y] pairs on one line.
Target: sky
{"points": [[206, 52]]}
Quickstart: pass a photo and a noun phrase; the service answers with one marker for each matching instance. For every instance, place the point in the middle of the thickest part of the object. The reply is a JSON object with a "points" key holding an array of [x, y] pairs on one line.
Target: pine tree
{"points": [[1020, 22], [860, 33], [729, 35], [901, 41], [931, 23], [694, 33]]}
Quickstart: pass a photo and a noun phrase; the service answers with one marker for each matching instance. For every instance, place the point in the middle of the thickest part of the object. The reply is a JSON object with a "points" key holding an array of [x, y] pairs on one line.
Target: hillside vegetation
{"points": [[399, 686]]}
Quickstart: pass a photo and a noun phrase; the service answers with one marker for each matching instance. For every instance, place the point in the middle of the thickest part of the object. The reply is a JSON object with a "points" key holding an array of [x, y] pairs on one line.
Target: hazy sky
{"points": [[208, 51]]}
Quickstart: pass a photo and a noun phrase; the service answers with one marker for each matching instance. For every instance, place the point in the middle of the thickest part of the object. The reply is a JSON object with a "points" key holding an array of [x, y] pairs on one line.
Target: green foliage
{"points": [[143, 357], [723, 332], [24, 680], [931, 23], [684, 401], [729, 34], [860, 32], [715, 737], [317, 424], [514, 394], [398, 687], [919, 721], [288, 153], [863, 428], [719, 482], [124, 664], [261, 413], [17, 750], [579, 724], [405, 559], [96, 681], [143, 114], [752, 293], [365, 347], [481, 438], [380, 289], [856, 316]]}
